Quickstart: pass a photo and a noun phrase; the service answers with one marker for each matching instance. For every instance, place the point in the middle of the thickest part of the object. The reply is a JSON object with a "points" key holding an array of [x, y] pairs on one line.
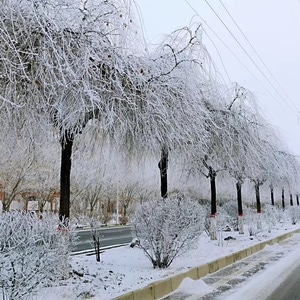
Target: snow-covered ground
{"points": [[125, 269]]}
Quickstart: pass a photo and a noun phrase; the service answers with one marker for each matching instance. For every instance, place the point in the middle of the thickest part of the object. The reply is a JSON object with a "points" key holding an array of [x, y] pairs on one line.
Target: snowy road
{"points": [[253, 278], [289, 288], [283, 261], [109, 236]]}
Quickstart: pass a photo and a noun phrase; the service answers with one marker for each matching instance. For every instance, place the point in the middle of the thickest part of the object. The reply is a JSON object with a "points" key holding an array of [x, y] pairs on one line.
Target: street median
{"points": [[166, 286]]}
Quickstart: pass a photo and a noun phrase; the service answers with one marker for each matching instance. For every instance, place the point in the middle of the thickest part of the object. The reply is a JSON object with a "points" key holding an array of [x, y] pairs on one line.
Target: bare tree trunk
{"points": [[272, 195], [213, 193], [65, 174], [297, 199], [282, 199], [213, 204], [257, 194], [240, 207], [5, 206], [258, 205], [291, 200], [163, 167]]}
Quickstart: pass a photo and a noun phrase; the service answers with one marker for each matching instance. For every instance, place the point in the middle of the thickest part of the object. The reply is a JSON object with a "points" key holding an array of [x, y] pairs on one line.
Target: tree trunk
{"points": [[213, 193], [257, 194], [163, 167], [282, 199], [258, 206], [240, 207], [272, 195], [291, 200], [5, 206], [297, 199], [65, 174], [241, 224], [213, 227], [213, 204]]}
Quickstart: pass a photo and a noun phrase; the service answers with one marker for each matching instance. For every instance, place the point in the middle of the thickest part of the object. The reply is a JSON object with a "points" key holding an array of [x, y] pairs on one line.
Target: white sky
{"points": [[273, 29]]}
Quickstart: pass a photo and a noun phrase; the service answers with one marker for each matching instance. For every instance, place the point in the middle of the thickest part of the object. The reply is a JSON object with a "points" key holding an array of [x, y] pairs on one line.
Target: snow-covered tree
{"points": [[210, 156], [167, 228], [75, 62], [287, 170], [189, 82], [66, 62], [244, 145], [16, 156], [43, 182]]}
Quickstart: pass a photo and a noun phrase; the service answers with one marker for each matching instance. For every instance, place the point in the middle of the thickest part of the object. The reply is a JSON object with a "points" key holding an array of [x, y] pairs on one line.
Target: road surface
{"points": [[289, 288], [109, 236], [271, 274]]}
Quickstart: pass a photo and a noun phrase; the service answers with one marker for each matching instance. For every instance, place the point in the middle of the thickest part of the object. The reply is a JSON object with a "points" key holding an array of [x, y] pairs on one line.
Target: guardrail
{"points": [[92, 250]]}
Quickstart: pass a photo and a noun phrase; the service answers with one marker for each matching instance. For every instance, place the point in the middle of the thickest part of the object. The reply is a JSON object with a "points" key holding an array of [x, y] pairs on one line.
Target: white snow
{"points": [[126, 269], [196, 287]]}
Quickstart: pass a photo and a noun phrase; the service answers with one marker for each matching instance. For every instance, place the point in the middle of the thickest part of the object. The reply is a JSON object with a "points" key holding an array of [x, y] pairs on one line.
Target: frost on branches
{"points": [[33, 253], [167, 228]]}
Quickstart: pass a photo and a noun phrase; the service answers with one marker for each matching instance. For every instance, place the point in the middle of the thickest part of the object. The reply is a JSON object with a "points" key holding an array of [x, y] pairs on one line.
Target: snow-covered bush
{"points": [[251, 219], [167, 228], [231, 209], [271, 216], [294, 214], [33, 253]]}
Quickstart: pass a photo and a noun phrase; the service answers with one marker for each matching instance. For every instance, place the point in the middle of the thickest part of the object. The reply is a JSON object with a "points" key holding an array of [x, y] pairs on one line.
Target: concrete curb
{"points": [[166, 286]]}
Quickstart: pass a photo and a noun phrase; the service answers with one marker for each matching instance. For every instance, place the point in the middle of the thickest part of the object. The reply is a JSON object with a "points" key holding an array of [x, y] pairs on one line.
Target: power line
{"points": [[251, 59], [261, 60], [225, 45], [219, 54]]}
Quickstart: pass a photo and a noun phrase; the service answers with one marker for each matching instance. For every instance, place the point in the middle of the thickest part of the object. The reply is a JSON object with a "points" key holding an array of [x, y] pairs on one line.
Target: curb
{"points": [[164, 287]]}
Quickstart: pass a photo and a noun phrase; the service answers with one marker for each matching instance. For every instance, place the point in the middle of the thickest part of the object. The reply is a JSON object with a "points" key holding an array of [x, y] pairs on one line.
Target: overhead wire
{"points": [[257, 54], [248, 55], [220, 56], [228, 48]]}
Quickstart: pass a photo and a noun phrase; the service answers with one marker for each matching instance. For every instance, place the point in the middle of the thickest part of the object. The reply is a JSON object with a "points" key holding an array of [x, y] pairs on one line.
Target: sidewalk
{"points": [[224, 281]]}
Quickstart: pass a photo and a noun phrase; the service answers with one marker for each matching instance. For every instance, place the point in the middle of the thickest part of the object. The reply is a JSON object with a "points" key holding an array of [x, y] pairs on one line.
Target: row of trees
{"points": [[73, 68]]}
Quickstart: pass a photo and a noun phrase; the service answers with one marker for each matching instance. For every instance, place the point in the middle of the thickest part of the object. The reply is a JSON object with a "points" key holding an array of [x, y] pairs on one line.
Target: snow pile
{"points": [[196, 287]]}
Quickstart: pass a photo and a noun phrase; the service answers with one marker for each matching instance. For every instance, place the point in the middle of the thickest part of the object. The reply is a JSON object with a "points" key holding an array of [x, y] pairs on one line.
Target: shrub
{"points": [[270, 216], [33, 253], [230, 207], [294, 214], [167, 228]]}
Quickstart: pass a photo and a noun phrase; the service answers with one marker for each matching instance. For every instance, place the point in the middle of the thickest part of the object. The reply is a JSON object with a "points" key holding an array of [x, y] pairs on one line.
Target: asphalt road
{"points": [[109, 236], [289, 288]]}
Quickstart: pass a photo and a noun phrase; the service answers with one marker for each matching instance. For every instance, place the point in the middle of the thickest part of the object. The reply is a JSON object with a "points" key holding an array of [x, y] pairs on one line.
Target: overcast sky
{"points": [[273, 29]]}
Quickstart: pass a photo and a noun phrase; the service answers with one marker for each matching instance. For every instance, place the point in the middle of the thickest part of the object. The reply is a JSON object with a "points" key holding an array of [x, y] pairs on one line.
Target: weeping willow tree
{"points": [[65, 63], [245, 143], [287, 174], [184, 81], [211, 157]]}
